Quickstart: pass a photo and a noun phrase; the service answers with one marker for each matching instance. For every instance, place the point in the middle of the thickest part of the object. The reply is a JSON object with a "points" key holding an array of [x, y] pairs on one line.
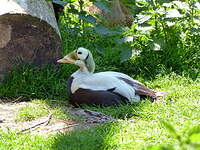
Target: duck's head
{"points": [[81, 57]]}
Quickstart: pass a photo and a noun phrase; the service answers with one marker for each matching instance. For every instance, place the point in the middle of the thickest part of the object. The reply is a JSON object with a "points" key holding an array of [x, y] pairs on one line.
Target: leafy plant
{"points": [[164, 32], [191, 141]]}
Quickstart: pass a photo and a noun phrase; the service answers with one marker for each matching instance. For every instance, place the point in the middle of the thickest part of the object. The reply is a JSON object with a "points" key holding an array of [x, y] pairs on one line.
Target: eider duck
{"points": [[103, 88]]}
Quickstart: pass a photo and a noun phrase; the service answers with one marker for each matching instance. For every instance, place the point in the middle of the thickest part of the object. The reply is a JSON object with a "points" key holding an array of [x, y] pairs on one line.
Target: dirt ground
{"points": [[46, 124]]}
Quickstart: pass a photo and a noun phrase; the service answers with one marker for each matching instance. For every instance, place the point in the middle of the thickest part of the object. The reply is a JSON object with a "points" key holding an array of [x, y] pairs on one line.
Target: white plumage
{"points": [[104, 81]]}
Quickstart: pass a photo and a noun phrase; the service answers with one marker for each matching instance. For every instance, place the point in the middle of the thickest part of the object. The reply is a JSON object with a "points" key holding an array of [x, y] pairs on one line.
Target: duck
{"points": [[102, 88]]}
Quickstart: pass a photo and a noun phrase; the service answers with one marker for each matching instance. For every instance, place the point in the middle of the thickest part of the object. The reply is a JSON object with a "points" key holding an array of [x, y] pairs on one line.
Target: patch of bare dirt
{"points": [[47, 124]]}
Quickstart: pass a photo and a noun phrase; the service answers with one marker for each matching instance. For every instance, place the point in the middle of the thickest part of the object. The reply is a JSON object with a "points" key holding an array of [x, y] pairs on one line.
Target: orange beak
{"points": [[70, 58], [65, 60]]}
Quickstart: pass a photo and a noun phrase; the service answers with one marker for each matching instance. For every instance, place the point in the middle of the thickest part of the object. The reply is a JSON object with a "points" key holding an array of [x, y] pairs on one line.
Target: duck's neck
{"points": [[84, 70], [86, 67], [89, 63]]}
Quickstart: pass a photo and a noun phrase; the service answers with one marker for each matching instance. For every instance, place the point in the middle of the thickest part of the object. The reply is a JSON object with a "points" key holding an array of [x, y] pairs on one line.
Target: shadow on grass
{"points": [[28, 82], [101, 137], [104, 136]]}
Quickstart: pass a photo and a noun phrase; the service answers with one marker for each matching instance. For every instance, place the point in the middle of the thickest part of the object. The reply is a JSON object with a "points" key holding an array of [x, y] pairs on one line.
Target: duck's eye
{"points": [[79, 52]]}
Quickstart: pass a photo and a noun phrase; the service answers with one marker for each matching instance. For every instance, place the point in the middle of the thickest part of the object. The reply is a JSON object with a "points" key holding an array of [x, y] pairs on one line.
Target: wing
{"points": [[140, 89], [121, 75], [104, 82]]}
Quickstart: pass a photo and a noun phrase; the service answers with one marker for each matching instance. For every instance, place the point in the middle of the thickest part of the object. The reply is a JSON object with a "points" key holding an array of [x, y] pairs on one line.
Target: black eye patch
{"points": [[79, 52]]}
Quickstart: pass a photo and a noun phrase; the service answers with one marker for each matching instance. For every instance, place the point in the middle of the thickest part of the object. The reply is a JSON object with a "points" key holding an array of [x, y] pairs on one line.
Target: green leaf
{"points": [[169, 127], [141, 3], [197, 20], [195, 138], [157, 44], [170, 21], [125, 52], [173, 13], [102, 5], [181, 5], [88, 18], [171, 130], [125, 39], [143, 18], [59, 2], [196, 5], [144, 28], [195, 31], [160, 11], [73, 10], [194, 130], [103, 31], [160, 147], [167, 4]]}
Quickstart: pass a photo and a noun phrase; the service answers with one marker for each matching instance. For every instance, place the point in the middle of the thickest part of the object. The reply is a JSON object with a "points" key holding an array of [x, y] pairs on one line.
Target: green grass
{"points": [[140, 125], [39, 108], [31, 111]]}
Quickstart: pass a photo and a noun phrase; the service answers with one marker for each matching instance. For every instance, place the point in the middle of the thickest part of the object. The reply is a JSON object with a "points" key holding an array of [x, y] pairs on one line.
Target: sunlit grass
{"points": [[39, 108], [30, 112], [139, 126]]}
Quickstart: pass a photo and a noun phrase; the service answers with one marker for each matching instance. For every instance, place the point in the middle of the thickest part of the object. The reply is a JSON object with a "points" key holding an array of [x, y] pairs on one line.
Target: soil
{"points": [[48, 124]]}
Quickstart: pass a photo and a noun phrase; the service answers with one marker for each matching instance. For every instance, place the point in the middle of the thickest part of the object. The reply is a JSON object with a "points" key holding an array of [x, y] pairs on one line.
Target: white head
{"points": [[81, 57], [82, 53]]}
